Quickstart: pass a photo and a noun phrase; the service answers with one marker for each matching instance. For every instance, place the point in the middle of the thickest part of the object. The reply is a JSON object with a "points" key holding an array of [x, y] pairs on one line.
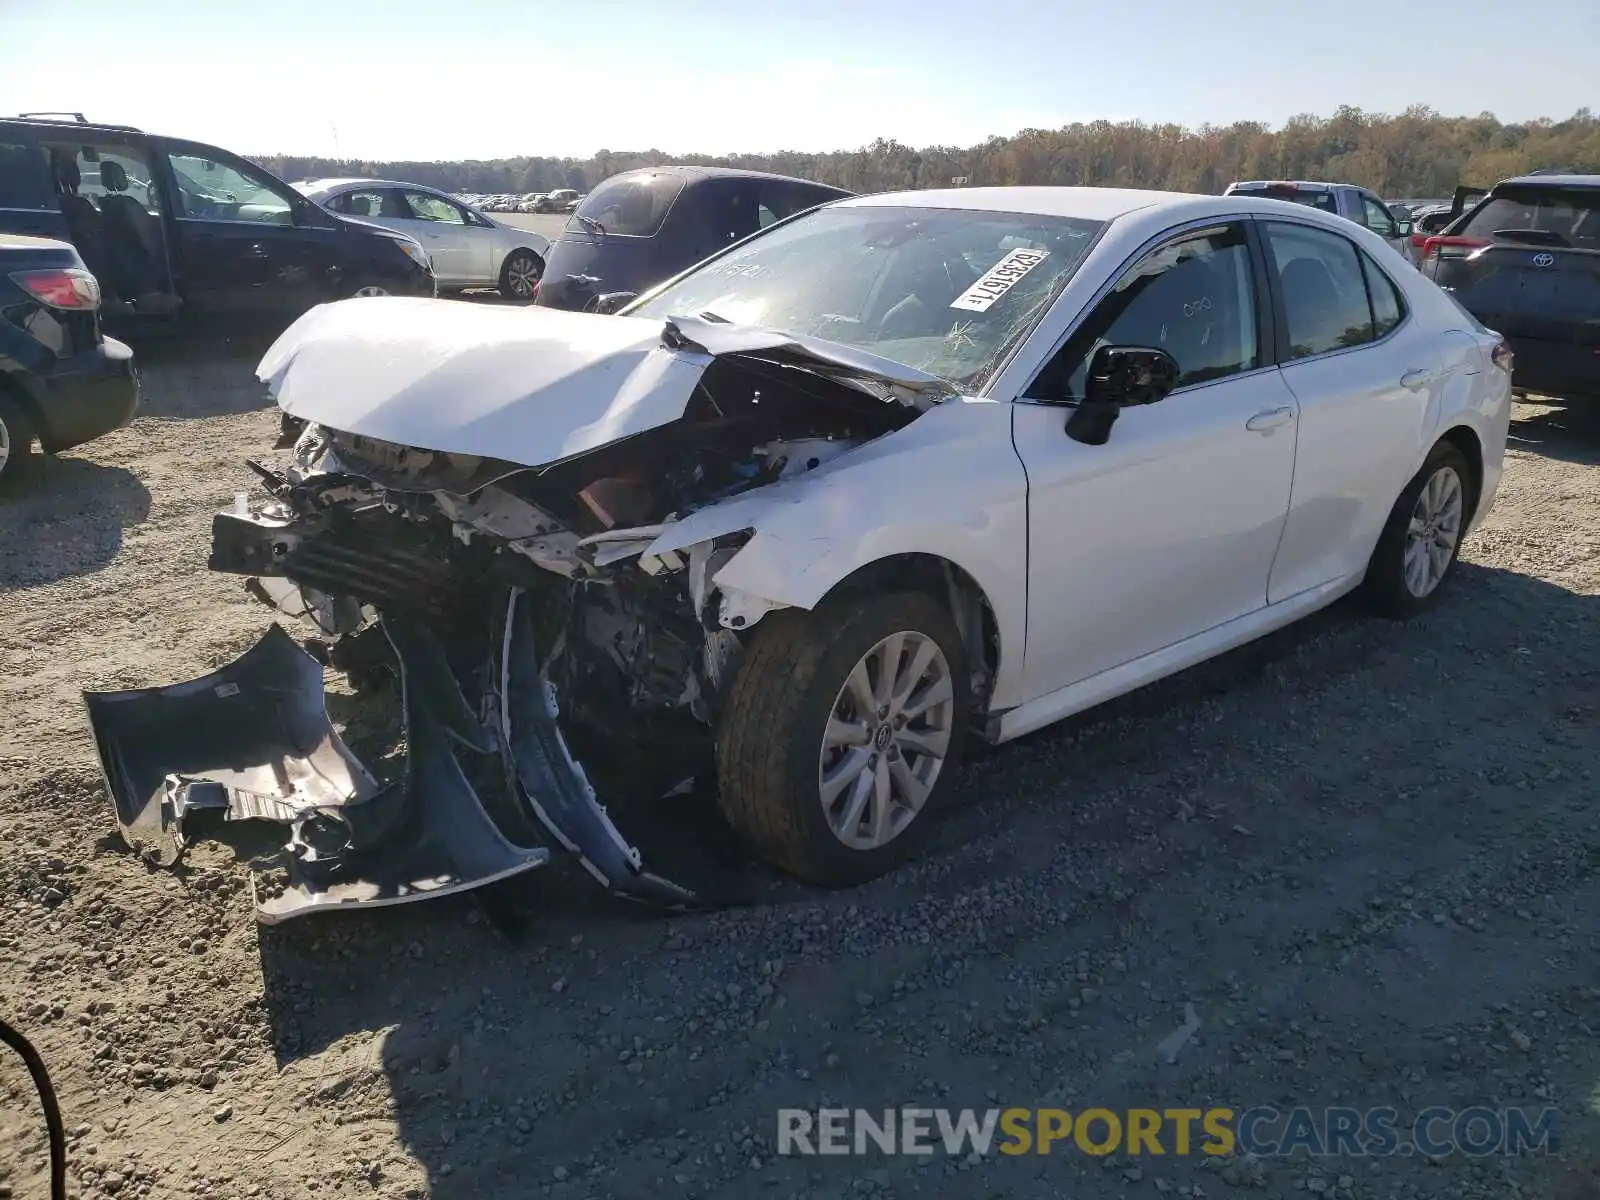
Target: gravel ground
{"points": [[1361, 851]]}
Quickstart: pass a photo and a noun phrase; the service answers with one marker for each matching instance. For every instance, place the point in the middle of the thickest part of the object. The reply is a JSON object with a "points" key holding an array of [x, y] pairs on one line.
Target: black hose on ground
{"points": [[47, 1099]]}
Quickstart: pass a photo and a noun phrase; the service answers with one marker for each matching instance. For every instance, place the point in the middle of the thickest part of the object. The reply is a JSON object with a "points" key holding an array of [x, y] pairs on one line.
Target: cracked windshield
{"points": [[945, 291]]}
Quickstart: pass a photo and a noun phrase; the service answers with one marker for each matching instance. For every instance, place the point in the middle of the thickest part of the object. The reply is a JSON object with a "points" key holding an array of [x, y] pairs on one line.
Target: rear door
{"points": [[1526, 263], [27, 194]]}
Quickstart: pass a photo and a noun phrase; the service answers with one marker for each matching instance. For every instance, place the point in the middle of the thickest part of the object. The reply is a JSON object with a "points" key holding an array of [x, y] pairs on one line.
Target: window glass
{"points": [[220, 191], [1193, 298], [434, 208], [1388, 307], [371, 203], [1571, 214], [113, 172], [1324, 294], [947, 291], [1378, 218], [628, 205], [24, 180], [1319, 198]]}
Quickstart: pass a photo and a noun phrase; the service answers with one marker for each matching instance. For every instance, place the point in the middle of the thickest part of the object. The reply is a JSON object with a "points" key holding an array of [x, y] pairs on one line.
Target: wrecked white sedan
{"points": [[887, 475]]}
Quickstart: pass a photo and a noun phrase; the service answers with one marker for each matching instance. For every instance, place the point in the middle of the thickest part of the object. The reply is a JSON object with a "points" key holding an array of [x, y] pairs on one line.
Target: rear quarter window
{"points": [[24, 177], [629, 206]]}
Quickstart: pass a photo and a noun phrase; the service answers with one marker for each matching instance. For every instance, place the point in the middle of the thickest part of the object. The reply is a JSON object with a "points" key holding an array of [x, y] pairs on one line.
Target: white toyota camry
{"points": [[893, 472]]}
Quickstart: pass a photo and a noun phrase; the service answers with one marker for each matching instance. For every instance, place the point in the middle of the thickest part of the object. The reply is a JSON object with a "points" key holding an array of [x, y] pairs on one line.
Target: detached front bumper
{"points": [[253, 740]]}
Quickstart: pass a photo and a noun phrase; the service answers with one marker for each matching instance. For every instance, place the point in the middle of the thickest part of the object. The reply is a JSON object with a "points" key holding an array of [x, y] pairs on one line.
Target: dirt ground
{"points": [[1364, 853]]}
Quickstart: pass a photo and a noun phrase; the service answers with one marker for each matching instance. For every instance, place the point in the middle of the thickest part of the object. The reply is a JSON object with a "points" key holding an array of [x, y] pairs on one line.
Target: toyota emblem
{"points": [[1544, 260]]}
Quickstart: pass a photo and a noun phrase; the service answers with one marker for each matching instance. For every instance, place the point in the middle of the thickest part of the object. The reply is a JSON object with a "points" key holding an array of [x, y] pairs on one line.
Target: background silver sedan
{"points": [[468, 249]]}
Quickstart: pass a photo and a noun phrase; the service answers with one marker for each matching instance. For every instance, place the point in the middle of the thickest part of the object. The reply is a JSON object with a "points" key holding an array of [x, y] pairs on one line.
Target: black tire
{"points": [[1385, 589], [775, 712], [17, 438], [520, 274]]}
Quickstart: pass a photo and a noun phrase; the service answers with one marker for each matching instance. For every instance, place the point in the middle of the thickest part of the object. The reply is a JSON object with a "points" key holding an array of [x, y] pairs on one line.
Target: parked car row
{"points": [[562, 200]]}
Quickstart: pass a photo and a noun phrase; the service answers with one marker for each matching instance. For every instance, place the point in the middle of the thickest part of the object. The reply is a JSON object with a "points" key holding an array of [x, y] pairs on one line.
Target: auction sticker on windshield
{"points": [[999, 280]]}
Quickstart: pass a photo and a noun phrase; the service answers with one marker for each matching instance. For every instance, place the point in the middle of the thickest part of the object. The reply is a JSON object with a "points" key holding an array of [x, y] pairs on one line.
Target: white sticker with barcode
{"points": [[999, 280]]}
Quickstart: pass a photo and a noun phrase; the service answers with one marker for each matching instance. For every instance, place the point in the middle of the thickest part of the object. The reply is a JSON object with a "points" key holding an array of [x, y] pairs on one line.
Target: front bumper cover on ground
{"points": [[254, 741]]}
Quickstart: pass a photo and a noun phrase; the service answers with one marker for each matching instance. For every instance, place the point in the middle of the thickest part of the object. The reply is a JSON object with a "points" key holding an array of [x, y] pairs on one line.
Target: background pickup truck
{"points": [[1346, 199]]}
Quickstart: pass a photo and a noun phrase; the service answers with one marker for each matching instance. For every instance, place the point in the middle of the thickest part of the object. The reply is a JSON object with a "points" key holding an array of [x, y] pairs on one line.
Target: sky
{"points": [[454, 79]]}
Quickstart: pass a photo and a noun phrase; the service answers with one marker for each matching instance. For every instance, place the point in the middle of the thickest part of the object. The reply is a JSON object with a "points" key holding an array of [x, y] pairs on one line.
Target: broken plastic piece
{"points": [[554, 784], [254, 740]]}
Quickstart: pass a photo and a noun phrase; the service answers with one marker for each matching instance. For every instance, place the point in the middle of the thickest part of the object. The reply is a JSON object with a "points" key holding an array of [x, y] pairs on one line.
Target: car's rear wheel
{"points": [[370, 289], [520, 275], [1417, 551], [16, 441], [842, 729]]}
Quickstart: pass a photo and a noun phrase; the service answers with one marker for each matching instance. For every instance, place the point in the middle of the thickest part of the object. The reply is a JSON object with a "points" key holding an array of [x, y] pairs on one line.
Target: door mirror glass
{"points": [[1119, 377], [1403, 229]]}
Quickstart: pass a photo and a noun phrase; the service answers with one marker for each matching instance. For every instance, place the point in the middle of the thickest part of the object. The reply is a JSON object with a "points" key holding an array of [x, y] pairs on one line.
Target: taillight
{"points": [[1452, 247], [60, 288], [1501, 356], [1419, 240]]}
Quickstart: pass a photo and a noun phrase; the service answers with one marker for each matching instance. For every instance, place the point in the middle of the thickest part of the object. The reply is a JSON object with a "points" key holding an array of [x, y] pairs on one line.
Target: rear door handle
{"points": [[1266, 422], [1415, 379]]}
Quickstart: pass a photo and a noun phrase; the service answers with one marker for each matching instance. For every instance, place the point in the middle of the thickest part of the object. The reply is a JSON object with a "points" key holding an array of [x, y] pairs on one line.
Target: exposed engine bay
{"points": [[543, 657]]}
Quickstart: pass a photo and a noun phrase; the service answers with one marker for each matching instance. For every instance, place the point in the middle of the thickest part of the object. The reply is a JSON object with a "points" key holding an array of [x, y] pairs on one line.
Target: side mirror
{"points": [[1403, 229], [610, 302], [1120, 376]]}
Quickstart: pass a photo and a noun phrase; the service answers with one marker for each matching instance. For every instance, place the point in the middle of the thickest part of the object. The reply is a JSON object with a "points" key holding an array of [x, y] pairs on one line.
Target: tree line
{"points": [[1416, 153]]}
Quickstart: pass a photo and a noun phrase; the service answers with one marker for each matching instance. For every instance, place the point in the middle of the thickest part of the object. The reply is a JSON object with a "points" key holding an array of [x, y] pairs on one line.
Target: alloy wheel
{"points": [[372, 289], [887, 738], [5, 444], [1434, 531], [522, 273]]}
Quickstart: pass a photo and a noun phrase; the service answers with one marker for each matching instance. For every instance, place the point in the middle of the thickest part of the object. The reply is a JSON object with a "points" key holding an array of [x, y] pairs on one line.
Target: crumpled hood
{"points": [[530, 386]]}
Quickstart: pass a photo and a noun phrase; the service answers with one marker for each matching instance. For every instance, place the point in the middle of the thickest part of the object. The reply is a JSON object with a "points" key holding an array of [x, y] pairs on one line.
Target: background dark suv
{"points": [[1526, 262], [641, 228], [172, 228]]}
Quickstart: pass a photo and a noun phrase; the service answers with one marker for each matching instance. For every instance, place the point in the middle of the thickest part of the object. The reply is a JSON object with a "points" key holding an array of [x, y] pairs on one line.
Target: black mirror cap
{"points": [[1128, 375], [610, 302]]}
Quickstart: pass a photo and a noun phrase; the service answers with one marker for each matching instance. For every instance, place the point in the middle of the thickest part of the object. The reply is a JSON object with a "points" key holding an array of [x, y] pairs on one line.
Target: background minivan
{"points": [[176, 228], [642, 227]]}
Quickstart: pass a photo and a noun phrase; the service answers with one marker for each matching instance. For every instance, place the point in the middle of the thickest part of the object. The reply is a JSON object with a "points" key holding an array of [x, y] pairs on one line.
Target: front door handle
{"points": [[1415, 379], [1266, 422]]}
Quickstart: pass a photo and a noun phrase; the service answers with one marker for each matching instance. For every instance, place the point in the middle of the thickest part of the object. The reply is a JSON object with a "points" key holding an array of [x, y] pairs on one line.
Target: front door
{"points": [[247, 244], [444, 232], [1170, 528]]}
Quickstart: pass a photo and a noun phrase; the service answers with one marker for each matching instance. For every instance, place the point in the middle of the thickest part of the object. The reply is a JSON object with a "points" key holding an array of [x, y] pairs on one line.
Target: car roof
{"points": [[697, 172], [1308, 184], [1088, 203], [330, 185], [1578, 181]]}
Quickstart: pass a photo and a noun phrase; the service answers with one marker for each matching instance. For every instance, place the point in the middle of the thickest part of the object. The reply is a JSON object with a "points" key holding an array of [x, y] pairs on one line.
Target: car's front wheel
{"points": [[843, 727], [1417, 551], [520, 275]]}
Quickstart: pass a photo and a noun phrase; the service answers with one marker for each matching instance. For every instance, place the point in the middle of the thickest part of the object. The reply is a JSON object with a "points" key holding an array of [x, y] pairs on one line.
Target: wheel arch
{"points": [[952, 586], [1465, 439]]}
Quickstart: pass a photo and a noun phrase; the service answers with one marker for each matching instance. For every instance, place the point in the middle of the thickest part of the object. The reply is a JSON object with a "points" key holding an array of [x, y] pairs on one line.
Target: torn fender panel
{"points": [[253, 740], [555, 785], [530, 386]]}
